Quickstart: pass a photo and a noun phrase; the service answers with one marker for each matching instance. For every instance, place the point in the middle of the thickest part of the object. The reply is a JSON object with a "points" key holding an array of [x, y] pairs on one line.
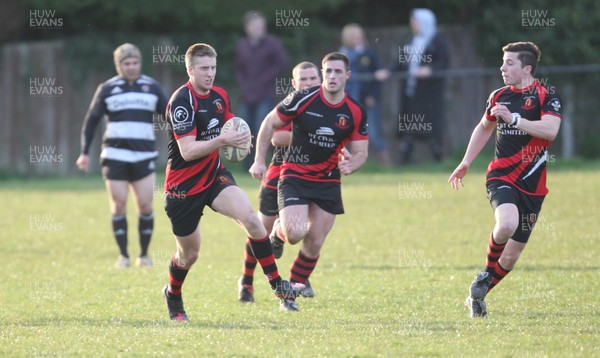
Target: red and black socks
{"points": [[498, 274], [302, 267], [264, 255], [176, 277], [249, 265], [494, 251]]}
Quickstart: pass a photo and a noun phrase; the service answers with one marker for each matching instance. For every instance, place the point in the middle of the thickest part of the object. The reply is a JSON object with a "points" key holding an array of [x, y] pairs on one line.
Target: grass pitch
{"points": [[391, 281]]}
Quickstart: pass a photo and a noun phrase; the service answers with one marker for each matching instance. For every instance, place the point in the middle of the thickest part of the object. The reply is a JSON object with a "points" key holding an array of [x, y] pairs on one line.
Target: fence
{"points": [[41, 109], [459, 117]]}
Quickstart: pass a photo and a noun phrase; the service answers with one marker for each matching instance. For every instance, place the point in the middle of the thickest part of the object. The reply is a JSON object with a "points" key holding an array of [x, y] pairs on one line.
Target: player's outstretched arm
{"points": [[349, 163], [265, 133], [481, 134], [458, 174]]}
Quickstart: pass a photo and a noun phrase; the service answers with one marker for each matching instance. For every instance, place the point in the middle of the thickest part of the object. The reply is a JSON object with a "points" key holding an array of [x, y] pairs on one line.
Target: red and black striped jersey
{"points": [[201, 116], [319, 132], [520, 158], [274, 170]]}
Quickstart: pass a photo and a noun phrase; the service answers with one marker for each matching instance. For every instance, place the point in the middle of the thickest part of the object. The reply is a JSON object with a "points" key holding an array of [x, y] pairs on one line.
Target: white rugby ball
{"points": [[234, 154]]}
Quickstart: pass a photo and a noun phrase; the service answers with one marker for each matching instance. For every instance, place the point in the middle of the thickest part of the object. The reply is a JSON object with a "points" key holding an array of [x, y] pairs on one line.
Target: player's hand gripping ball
{"points": [[231, 153]]}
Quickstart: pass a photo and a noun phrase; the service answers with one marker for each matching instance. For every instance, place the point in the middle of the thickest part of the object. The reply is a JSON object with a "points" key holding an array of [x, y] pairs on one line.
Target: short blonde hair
{"points": [[198, 50], [303, 66]]}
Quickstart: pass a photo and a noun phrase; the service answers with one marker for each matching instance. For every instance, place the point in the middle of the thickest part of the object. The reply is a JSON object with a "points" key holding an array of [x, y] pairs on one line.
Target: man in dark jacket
{"points": [[260, 60], [422, 100]]}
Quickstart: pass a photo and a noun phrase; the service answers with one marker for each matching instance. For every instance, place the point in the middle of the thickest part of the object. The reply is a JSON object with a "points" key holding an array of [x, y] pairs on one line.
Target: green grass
{"points": [[391, 281]]}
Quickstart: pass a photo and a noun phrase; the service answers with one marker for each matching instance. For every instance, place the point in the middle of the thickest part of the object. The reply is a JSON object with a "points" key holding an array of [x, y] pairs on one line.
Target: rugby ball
{"points": [[234, 154]]}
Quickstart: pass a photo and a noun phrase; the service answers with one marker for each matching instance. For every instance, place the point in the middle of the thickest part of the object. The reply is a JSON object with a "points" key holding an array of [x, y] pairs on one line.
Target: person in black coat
{"points": [[422, 95]]}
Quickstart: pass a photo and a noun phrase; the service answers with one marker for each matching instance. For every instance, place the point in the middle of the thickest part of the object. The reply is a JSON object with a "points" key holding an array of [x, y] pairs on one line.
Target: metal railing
{"points": [[487, 72], [567, 91]]}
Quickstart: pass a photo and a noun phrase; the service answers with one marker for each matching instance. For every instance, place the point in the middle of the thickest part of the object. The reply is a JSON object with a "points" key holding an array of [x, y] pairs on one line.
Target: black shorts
{"points": [[185, 211], [267, 198], [529, 206], [118, 170], [296, 191]]}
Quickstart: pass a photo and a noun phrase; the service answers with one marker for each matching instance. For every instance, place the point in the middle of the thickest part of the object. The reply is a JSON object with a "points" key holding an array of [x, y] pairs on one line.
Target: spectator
{"points": [[259, 60], [363, 60], [422, 97]]}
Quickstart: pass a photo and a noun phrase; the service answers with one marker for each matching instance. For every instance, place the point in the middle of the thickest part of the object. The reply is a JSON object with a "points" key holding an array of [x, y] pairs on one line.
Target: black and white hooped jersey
{"points": [[129, 135]]}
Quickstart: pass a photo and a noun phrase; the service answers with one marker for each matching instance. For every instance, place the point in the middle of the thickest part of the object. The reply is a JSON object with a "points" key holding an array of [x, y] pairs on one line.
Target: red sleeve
{"points": [[295, 103], [286, 128], [180, 112], [283, 115], [359, 116], [491, 102]]}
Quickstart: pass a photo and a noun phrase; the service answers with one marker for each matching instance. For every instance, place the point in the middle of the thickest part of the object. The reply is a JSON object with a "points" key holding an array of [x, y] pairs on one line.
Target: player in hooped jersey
{"points": [[304, 75], [129, 102], [527, 116], [324, 120], [195, 176]]}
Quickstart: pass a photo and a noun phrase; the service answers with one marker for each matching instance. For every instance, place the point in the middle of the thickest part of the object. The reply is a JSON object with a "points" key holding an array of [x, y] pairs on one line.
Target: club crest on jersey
{"points": [[555, 104], [145, 88], [223, 180], [342, 121], [288, 99], [529, 103], [219, 105], [180, 114]]}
